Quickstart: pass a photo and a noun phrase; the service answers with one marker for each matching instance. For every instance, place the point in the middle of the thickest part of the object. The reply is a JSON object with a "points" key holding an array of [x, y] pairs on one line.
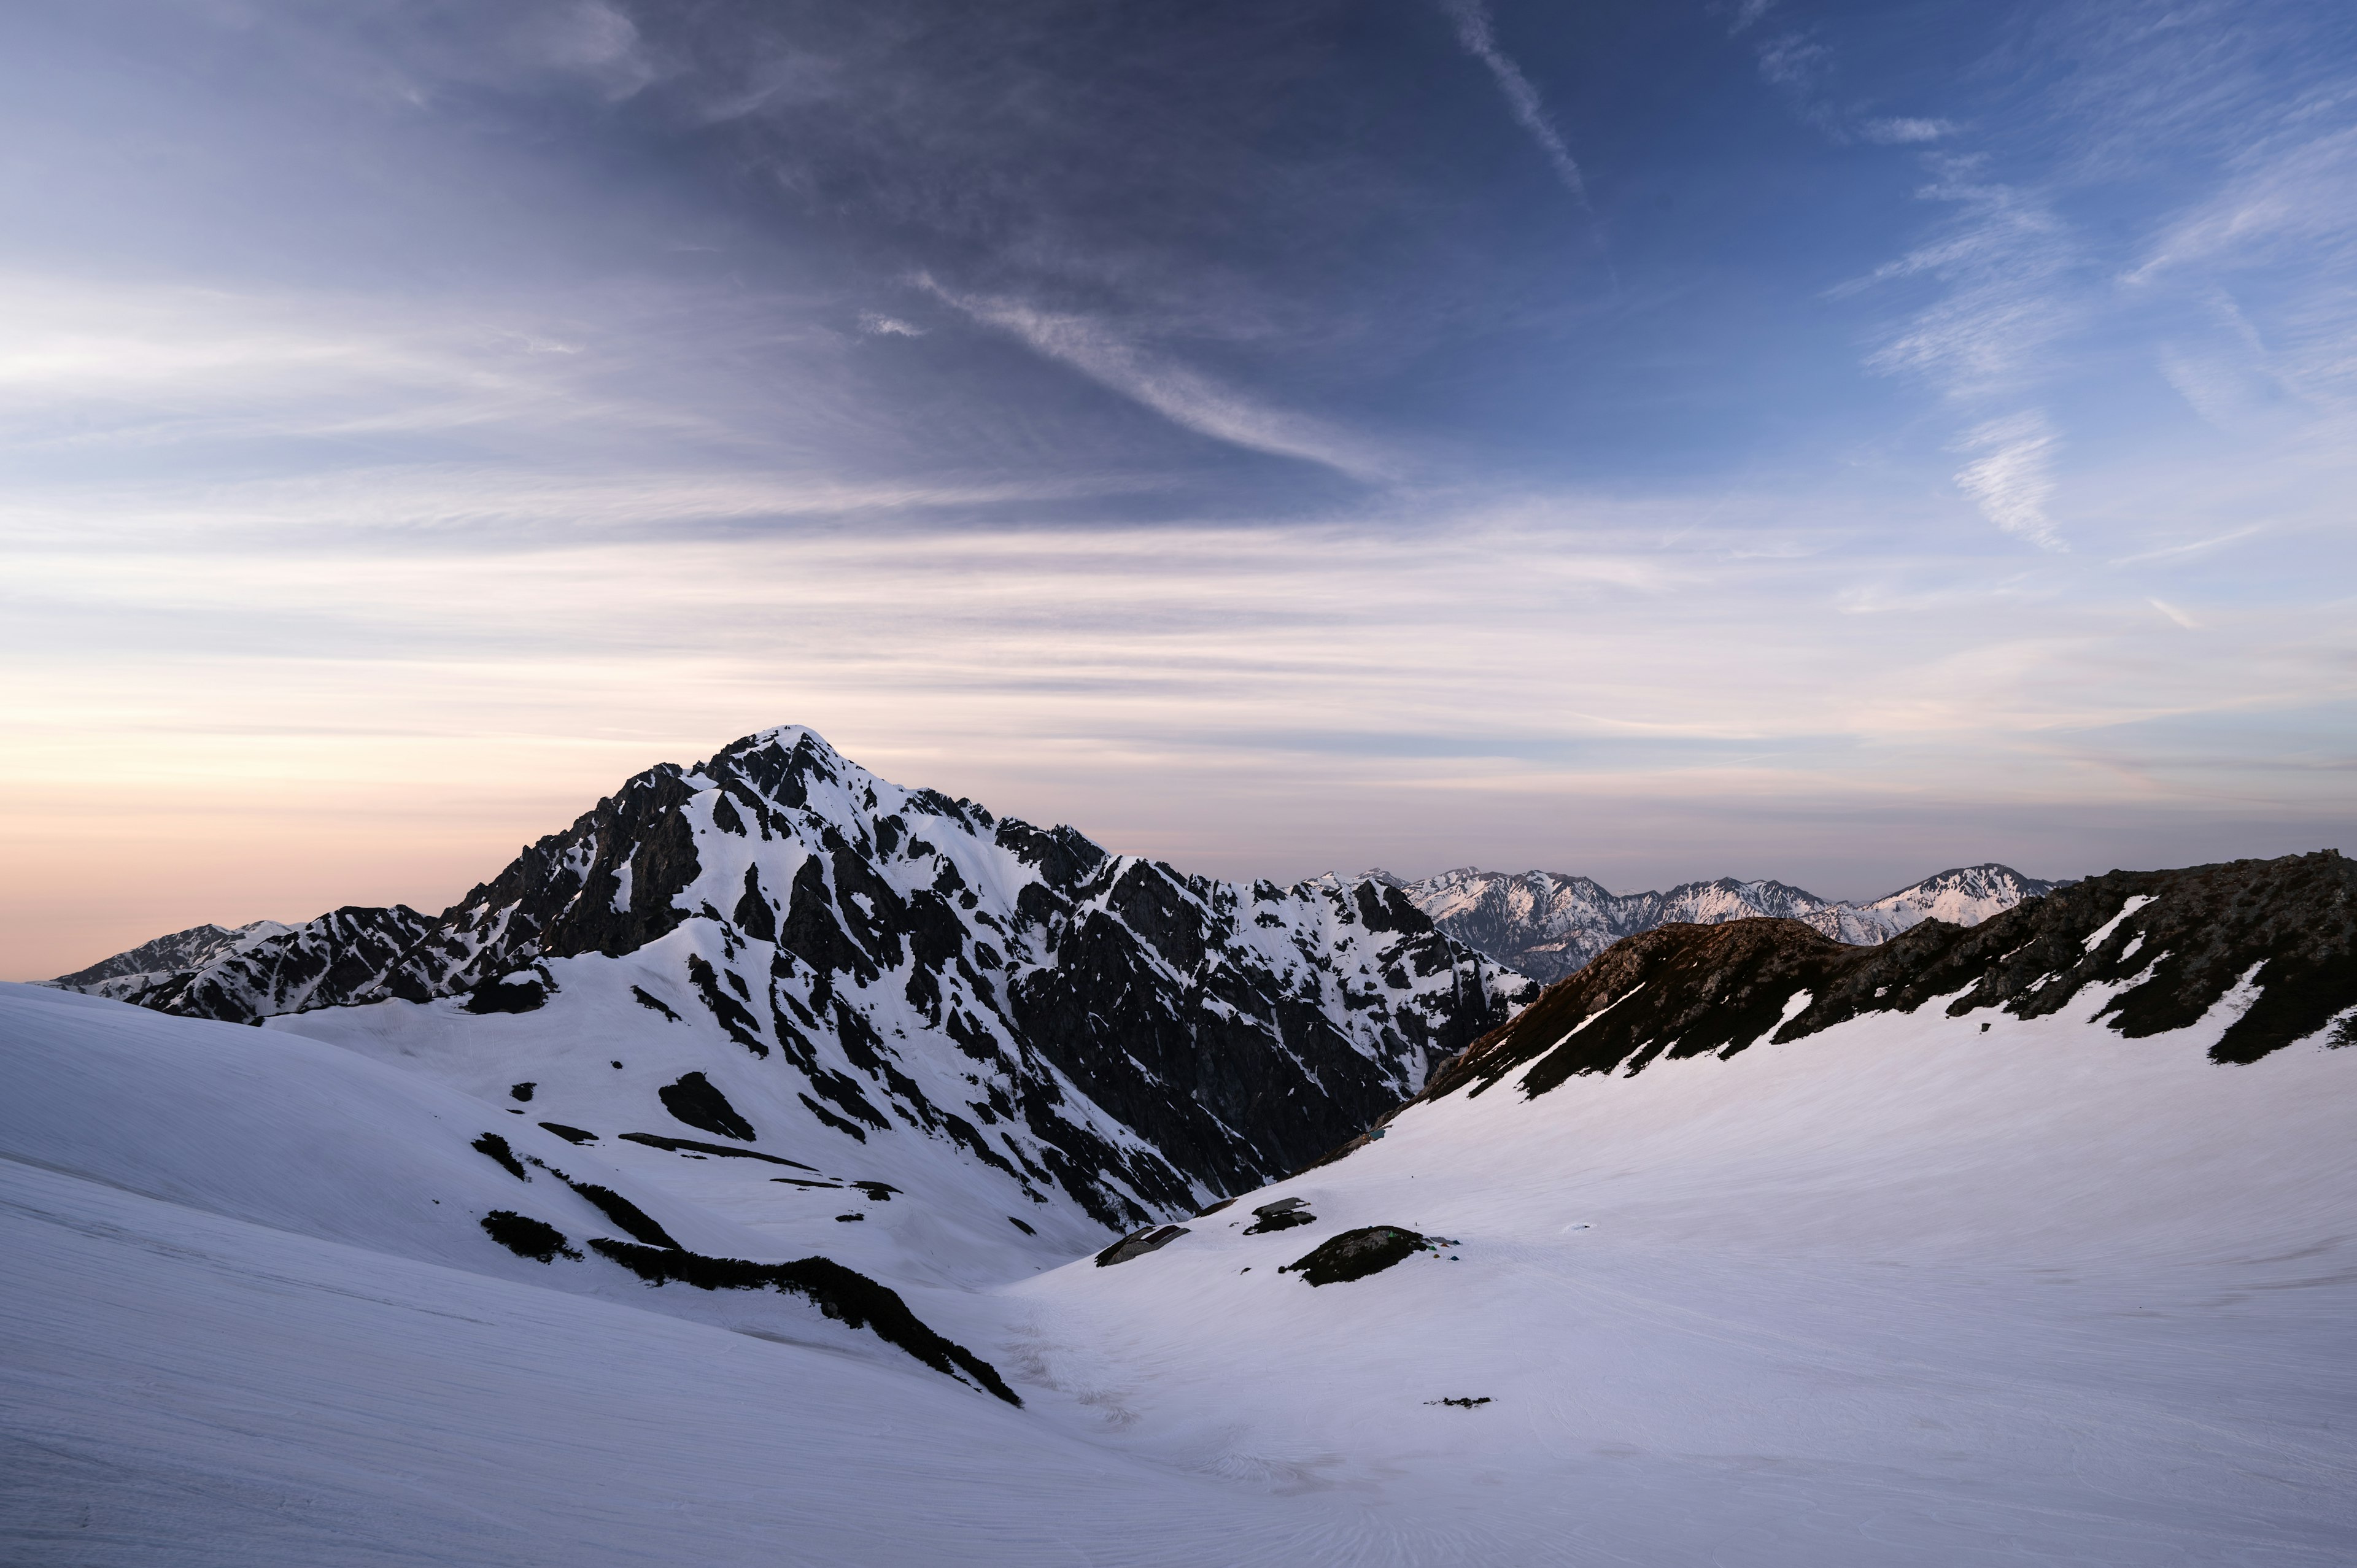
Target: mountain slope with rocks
{"points": [[825, 965], [1549, 925], [2273, 941], [2024, 1242]]}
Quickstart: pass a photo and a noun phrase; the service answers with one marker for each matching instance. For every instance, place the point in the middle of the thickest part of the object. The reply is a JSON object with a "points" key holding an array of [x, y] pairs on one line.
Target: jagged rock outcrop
{"points": [[343, 954], [2275, 939], [1548, 925], [1065, 1016], [128, 973]]}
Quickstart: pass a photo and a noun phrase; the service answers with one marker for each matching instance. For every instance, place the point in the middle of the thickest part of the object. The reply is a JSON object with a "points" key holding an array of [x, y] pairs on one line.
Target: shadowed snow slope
{"points": [[1969, 1275]]}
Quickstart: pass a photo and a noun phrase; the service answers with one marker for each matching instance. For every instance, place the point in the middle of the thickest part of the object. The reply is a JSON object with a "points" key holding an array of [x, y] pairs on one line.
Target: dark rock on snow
{"points": [[1283, 1215], [694, 1101], [1137, 1243], [660, 1141], [1355, 1254], [496, 1147], [527, 1236], [844, 1294]]}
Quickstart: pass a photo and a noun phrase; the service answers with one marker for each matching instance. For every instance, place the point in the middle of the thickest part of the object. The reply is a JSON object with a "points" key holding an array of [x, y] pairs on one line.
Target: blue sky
{"points": [[1831, 442]]}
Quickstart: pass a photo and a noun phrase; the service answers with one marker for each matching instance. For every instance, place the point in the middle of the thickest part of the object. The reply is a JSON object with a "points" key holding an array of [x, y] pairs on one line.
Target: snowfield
{"points": [[1903, 1292]]}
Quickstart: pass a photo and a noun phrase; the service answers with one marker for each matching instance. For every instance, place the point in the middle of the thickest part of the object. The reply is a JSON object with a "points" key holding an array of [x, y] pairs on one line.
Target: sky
{"points": [[1659, 440]]}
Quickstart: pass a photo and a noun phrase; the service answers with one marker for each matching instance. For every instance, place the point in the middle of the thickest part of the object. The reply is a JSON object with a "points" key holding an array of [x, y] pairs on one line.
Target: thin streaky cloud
{"points": [[2013, 480], [1184, 396], [1901, 131], [1475, 31], [2176, 551]]}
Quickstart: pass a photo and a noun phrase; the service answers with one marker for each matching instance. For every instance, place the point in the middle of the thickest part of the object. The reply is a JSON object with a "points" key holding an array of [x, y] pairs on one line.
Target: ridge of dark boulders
{"points": [[495, 1148], [625, 1214], [1354, 1255], [2171, 945], [843, 1294], [1137, 1243]]}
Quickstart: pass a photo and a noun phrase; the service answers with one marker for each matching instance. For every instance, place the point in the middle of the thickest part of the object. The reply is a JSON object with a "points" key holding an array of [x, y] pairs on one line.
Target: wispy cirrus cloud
{"points": [[2013, 479], [1902, 130], [1479, 35], [2002, 256], [1185, 396]]}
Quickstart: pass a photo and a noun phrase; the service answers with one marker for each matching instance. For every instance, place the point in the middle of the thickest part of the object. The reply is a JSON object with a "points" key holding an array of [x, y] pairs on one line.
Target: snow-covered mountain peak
{"points": [[783, 948]]}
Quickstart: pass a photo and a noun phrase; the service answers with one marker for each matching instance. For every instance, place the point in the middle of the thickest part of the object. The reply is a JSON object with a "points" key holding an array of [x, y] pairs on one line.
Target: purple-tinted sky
{"points": [[1825, 441]]}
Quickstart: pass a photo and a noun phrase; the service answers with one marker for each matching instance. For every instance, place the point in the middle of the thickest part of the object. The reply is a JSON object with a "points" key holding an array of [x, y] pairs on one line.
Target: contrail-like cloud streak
{"points": [[1480, 41]]}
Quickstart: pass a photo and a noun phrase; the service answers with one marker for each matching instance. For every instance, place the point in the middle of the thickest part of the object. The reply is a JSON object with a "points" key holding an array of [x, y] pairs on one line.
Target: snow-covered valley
{"points": [[1912, 1287]]}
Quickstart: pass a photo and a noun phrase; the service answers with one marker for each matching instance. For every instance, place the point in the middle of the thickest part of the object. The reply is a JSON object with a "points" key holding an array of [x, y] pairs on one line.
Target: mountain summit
{"points": [[823, 963]]}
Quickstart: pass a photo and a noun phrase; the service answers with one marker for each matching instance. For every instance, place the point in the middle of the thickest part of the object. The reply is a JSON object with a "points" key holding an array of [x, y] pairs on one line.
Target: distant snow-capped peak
{"points": [[1549, 924]]}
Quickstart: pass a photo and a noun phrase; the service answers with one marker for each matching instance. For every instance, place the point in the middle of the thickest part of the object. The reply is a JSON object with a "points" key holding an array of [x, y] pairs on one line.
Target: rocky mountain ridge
{"points": [[877, 962], [1549, 925], [153, 963], [2272, 942]]}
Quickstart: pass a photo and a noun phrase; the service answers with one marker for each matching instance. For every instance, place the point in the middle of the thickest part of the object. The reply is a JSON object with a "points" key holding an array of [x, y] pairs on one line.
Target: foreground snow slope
{"points": [[300, 1137], [1903, 1292], [180, 1387]]}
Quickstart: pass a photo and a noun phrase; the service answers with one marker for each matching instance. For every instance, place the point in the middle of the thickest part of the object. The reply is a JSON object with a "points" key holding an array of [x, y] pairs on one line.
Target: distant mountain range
{"points": [[1548, 924], [149, 964]]}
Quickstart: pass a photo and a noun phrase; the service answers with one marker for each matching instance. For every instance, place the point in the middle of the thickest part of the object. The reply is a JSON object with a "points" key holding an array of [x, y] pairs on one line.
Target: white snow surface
{"points": [[1902, 1293]]}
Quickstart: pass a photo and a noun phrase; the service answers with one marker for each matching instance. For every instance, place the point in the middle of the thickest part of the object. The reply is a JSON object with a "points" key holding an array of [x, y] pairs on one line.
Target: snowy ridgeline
{"points": [[2028, 1243], [972, 1009], [1548, 925]]}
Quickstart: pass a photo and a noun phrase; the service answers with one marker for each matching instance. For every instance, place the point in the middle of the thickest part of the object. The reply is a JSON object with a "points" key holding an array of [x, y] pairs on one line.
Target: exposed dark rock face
{"points": [[912, 966], [1355, 1254], [844, 1294], [2174, 943], [527, 1236], [694, 1101]]}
